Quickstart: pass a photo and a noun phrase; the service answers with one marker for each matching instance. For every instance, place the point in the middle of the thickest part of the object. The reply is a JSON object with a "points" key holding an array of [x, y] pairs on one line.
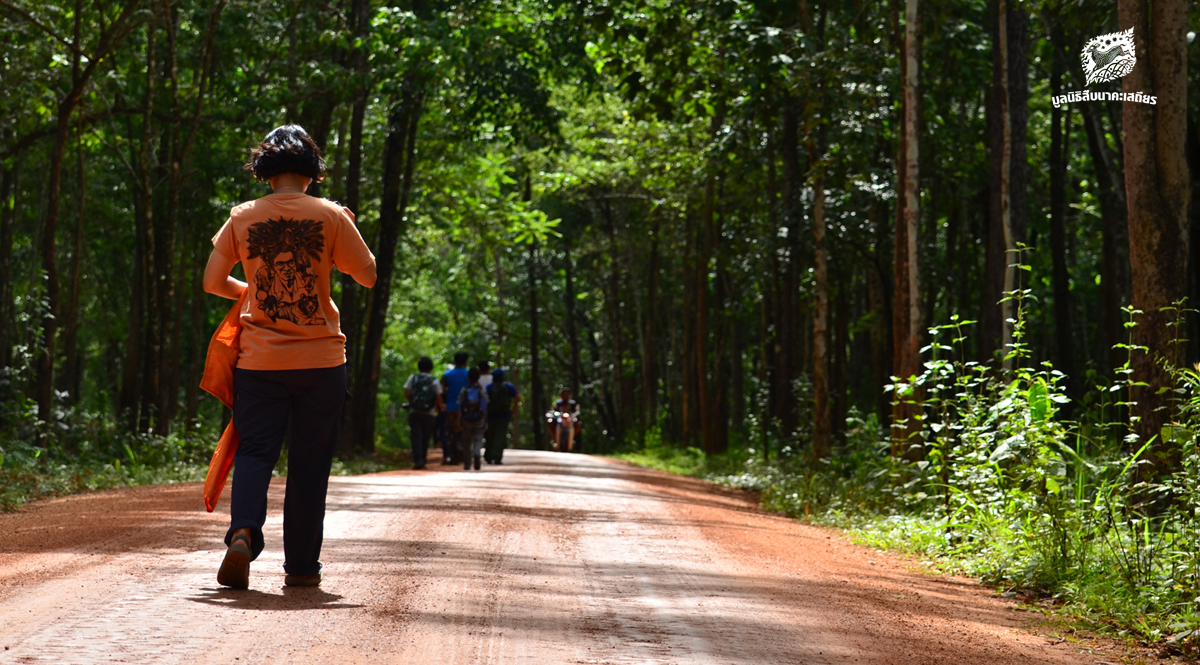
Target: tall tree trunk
{"points": [[788, 307], [500, 319], [151, 332], [841, 338], [400, 154], [1193, 329], [1059, 155], [716, 406], [175, 362], [880, 289], [822, 432], [1007, 120], [616, 327], [970, 206], [319, 121], [649, 341], [602, 398], [822, 435], [182, 139], [113, 32], [906, 326], [1158, 192], [1111, 192], [735, 371], [765, 356], [349, 305], [166, 362], [8, 211], [769, 309], [130, 395], [689, 414], [44, 387], [71, 379], [706, 414], [569, 300], [68, 381], [196, 334], [673, 379], [951, 257], [538, 399]]}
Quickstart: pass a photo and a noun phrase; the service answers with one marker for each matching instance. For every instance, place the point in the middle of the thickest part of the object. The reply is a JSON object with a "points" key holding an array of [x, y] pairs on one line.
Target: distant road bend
{"points": [[551, 558]]}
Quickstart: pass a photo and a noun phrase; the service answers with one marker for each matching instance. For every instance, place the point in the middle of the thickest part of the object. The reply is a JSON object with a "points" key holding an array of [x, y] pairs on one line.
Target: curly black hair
{"points": [[287, 149]]}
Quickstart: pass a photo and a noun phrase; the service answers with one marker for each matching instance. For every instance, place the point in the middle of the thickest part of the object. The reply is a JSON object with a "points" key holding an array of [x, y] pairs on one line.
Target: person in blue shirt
{"points": [[472, 419], [453, 381], [503, 399]]}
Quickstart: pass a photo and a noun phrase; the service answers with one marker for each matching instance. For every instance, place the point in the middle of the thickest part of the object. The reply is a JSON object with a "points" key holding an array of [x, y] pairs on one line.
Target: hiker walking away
{"points": [[485, 374], [503, 399], [424, 395], [440, 432], [472, 419], [291, 369], [453, 381]]}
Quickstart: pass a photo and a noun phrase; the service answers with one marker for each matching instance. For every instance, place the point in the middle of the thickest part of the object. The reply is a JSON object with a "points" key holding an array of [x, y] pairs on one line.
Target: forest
{"points": [[880, 260]]}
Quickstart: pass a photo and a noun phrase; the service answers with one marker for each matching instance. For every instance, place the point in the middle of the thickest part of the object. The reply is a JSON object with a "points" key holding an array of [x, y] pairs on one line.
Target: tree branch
{"points": [[205, 76], [27, 141], [28, 16]]}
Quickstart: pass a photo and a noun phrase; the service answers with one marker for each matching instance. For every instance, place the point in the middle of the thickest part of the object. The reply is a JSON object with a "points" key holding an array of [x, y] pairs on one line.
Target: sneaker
{"points": [[418, 467], [235, 569], [477, 464], [302, 580], [499, 462]]}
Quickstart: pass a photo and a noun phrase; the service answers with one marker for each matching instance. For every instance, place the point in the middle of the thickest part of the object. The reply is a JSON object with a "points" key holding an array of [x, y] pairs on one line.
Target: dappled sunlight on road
{"points": [[550, 558]]}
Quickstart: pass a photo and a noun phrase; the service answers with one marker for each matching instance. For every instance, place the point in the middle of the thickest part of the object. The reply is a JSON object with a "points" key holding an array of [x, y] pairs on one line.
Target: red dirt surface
{"points": [[550, 558]]}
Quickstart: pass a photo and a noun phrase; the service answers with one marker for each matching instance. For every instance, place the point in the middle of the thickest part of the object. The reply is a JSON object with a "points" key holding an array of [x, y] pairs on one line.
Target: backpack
{"points": [[472, 410], [499, 400], [423, 397]]}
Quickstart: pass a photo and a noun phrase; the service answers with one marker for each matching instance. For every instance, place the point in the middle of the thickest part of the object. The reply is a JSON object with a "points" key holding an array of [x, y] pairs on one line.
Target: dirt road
{"points": [[549, 559]]}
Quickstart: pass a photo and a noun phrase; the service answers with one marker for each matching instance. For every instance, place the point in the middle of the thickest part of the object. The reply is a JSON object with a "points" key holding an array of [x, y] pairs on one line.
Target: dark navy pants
{"points": [[496, 439], [420, 428], [305, 405], [439, 429]]}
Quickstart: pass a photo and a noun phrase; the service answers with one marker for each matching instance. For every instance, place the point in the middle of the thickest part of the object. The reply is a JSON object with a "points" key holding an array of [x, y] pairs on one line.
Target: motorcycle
{"points": [[562, 426]]}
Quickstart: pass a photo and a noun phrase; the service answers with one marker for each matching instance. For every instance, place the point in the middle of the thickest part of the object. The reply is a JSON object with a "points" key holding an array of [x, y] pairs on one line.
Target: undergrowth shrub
{"points": [[79, 451], [1007, 488]]}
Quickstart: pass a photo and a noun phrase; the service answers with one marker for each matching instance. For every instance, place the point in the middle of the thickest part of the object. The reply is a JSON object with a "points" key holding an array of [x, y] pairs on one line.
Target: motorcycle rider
{"points": [[565, 405]]}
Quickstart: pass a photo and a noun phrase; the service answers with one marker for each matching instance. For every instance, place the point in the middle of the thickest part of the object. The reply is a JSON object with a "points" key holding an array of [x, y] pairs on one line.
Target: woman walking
{"points": [[291, 371]]}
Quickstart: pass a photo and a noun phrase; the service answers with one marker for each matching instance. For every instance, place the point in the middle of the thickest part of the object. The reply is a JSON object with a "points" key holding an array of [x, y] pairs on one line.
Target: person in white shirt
{"points": [[485, 374]]}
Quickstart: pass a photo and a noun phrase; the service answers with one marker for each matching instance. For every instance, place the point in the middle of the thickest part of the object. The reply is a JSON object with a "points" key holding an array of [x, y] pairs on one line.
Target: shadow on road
{"points": [[292, 598]]}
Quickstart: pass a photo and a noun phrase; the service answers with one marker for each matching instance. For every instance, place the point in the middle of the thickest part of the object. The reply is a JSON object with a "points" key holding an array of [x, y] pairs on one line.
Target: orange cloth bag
{"points": [[222, 359]]}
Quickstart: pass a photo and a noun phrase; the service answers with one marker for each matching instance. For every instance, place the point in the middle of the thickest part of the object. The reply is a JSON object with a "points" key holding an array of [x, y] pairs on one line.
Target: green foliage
{"points": [[86, 451], [1007, 490]]}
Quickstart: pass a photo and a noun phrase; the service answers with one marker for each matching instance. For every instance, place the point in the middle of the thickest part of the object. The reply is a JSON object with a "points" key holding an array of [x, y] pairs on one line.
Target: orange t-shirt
{"points": [[288, 243]]}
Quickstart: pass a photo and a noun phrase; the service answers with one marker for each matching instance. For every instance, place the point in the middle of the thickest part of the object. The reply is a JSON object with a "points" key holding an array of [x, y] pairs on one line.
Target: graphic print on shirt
{"points": [[286, 283]]}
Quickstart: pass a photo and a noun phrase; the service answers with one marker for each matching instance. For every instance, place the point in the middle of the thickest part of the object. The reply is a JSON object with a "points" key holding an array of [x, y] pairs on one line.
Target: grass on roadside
{"points": [[87, 453], [25, 484], [33, 482]]}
